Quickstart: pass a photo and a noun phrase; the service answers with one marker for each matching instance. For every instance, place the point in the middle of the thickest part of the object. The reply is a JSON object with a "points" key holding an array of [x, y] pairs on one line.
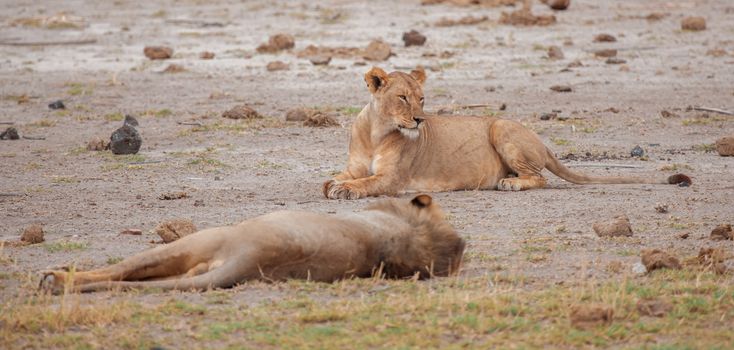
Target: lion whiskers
{"points": [[410, 133]]}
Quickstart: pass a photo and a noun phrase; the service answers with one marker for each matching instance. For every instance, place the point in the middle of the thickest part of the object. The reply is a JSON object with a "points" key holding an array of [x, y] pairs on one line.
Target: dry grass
{"points": [[481, 312]]}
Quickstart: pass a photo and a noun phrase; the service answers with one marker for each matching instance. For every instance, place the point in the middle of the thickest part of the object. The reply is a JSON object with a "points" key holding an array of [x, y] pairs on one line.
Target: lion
{"points": [[395, 148], [393, 238]]}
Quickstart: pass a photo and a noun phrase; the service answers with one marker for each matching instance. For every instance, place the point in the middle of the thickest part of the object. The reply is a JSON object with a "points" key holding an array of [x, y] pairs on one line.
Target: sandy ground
{"points": [[242, 171]]}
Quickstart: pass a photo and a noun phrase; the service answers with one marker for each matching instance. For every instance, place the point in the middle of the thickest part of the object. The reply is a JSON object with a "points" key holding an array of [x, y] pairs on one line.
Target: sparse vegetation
{"points": [[64, 246]]}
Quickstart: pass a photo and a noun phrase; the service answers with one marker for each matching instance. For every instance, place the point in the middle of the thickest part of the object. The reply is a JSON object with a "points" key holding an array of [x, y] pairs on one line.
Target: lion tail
{"points": [[560, 170]]}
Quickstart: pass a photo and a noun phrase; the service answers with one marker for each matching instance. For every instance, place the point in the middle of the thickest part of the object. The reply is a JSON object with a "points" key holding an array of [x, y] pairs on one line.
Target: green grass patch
{"points": [[65, 246]]}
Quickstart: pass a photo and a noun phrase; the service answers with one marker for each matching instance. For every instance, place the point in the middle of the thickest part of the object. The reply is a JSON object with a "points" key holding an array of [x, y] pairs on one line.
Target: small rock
{"points": [[559, 4], [158, 52], [693, 24], [684, 235], [637, 151], [619, 226], [612, 109], [57, 105], [725, 146], [32, 234], [132, 231], [555, 53], [615, 60], [661, 208], [320, 60], [667, 114], [173, 195], [320, 120], [172, 230], [722, 232], [657, 259], [199, 203], [241, 112], [277, 42], [97, 144], [574, 64], [561, 88], [654, 308], [174, 68], [548, 116], [276, 65], [130, 120], [125, 140], [298, 114], [413, 38], [207, 55], [605, 53], [604, 38], [639, 269], [587, 316], [10, 133], [377, 50]]}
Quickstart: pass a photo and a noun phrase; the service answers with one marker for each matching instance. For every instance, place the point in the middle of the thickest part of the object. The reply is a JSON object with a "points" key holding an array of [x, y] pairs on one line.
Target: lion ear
{"points": [[422, 200], [419, 74], [376, 79]]}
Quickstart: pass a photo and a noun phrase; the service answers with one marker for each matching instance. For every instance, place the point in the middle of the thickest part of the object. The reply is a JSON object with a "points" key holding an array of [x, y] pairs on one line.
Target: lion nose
{"points": [[418, 120]]}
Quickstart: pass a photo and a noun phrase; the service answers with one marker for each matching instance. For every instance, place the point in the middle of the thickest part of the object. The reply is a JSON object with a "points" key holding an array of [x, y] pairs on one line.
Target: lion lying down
{"points": [[395, 238], [395, 148]]}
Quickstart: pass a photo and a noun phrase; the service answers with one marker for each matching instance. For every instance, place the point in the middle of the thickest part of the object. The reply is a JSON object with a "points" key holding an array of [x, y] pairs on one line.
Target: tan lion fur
{"points": [[395, 238], [394, 147]]}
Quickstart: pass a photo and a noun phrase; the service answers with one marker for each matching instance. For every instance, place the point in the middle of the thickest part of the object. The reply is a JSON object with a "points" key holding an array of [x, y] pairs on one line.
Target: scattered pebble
{"points": [[654, 308], [158, 52], [277, 42], [559, 4], [693, 24], [561, 88], [199, 203], [207, 55], [241, 112], [587, 316], [413, 38], [639, 269], [574, 64], [684, 235], [618, 226], [276, 66], [523, 17], [722, 232], [605, 53], [320, 60], [10, 133], [667, 114], [657, 259], [320, 120], [604, 38], [132, 232], [637, 151], [548, 116], [57, 105], [661, 208], [125, 140], [725, 146], [32, 234], [464, 21], [615, 60], [174, 68], [173, 195], [172, 230], [377, 50], [97, 144], [555, 53]]}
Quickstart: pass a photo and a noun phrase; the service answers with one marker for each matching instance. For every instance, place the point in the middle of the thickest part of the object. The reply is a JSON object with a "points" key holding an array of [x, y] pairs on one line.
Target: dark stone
{"points": [[10, 134], [637, 151], [130, 120], [548, 116], [125, 140], [414, 38], [57, 105]]}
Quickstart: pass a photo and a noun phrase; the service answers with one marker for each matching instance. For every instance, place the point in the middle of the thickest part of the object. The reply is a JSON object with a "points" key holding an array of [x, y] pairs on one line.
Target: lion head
{"points": [[398, 99]]}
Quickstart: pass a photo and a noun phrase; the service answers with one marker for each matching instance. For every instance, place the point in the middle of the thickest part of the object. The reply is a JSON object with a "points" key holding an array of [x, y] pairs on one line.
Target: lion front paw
{"points": [[52, 282], [341, 190], [509, 184]]}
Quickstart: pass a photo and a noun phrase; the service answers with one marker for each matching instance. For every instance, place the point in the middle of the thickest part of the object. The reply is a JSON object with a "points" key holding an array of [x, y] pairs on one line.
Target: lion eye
{"points": [[403, 98]]}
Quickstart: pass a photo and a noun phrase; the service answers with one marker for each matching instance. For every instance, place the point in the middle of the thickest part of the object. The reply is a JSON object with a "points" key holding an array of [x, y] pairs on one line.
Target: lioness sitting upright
{"points": [[395, 238], [394, 148]]}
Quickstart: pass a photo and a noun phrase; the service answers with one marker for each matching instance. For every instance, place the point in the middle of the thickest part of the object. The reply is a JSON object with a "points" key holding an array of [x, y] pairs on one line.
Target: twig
{"points": [[604, 165], [196, 22], [48, 43], [190, 123], [714, 110], [11, 194], [7, 123], [33, 138]]}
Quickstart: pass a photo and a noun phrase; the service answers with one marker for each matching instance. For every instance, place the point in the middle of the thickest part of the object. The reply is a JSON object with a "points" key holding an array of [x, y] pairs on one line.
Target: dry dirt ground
{"points": [[240, 169]]}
